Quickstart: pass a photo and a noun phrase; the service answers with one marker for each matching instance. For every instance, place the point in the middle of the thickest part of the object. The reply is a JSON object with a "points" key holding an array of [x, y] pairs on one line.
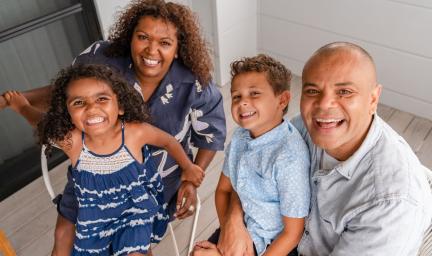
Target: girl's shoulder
{"points": [[72, 141]]}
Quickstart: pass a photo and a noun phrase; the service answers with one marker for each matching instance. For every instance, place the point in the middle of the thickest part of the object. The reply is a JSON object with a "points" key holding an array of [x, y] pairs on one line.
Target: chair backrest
{"points": [[426, 248]]}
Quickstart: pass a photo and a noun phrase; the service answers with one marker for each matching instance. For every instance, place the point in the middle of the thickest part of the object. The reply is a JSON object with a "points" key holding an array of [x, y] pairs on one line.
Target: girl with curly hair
{"points": [[157, 47], [102, 125]]}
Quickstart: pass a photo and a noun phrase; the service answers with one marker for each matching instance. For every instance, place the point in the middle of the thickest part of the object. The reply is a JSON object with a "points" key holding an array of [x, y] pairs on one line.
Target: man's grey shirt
{"points": [[377, 202]]}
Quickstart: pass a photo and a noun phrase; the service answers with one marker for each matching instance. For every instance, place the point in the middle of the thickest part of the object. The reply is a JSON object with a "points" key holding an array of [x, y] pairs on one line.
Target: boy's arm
{"points": [[159, 138], [288, 238], [22, 106]]}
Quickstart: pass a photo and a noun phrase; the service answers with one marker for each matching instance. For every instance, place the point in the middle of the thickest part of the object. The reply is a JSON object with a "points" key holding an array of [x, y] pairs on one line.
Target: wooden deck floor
{"points": [[28, 216]]}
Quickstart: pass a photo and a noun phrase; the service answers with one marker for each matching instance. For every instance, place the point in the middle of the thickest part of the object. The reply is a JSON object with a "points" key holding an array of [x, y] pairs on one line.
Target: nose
{"points": [[326, 100], [90, 106], [152, 47], [244, 101]]}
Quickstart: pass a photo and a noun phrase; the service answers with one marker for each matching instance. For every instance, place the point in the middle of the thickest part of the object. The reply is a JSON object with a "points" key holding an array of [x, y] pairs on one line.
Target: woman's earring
{"points": [[176, 56]]}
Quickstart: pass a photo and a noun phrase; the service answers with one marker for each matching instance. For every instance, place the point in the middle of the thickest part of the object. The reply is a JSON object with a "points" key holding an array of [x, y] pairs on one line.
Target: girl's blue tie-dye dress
{"points": [[121, 205]]}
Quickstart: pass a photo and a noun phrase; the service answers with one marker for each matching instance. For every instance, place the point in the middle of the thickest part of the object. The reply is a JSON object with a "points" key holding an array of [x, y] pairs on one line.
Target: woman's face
{"points": [[154, 46]]}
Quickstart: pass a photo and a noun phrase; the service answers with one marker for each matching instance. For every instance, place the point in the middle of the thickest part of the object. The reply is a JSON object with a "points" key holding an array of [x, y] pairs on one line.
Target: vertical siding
{"points": [[397, 33]]}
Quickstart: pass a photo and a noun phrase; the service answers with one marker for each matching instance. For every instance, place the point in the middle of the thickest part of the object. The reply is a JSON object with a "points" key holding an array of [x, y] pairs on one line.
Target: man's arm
{"points": [[390, 227], [234, 238]]}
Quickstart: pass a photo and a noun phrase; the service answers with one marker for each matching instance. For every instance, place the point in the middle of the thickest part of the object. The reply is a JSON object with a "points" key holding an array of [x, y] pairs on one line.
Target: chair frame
{"points": [[47, 181]]}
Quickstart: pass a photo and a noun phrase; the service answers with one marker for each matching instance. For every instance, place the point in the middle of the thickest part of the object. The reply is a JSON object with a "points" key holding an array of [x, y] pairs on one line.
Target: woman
{"points": [[158, 49]]}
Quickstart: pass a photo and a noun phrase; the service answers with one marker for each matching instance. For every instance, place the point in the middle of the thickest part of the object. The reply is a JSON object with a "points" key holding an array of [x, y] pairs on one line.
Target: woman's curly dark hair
{"points": [[56, 124], [192, 47]]}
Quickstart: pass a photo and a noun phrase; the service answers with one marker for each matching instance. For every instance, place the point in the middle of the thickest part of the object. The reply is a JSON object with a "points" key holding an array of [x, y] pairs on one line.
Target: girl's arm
{"points": [[159, 138], [22, 106], [288, 238]]}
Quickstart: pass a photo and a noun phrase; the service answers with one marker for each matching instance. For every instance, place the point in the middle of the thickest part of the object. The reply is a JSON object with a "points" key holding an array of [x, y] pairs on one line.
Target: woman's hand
{"points": [[3, 102], [15, 100], [194, 174], [186, 200]]}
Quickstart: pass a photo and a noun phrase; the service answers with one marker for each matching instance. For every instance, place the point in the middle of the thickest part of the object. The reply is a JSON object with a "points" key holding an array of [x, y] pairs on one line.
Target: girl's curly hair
{"points": [[192, 48], [56, 124]]}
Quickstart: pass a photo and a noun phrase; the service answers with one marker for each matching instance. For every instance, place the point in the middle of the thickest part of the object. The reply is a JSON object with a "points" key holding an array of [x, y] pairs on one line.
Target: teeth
{"points": [[328, 120], [95, 120], [150, 61], [247, 114]]}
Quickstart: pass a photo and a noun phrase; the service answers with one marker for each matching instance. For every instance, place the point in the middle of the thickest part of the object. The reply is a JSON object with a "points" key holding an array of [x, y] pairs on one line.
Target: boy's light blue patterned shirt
{"points": [[271, 176]]}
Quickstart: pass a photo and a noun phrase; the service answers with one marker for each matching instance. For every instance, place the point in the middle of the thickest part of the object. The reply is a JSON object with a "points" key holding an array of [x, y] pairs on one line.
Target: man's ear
{"points": [[376, 92], [284, 99]]}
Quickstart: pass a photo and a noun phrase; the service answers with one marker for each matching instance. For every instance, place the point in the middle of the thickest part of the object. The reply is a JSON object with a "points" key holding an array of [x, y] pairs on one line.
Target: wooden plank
{"points": [[416, 132], [425, 152], [41, 246], [6, 248], [31, 191], [26, 212], [30, 232], [400, 120], [385, 112], [182, 231]]}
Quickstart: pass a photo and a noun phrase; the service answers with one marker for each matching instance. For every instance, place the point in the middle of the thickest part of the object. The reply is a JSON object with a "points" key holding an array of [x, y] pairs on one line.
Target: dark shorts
{"points": [[214, 238], [67, 205]]}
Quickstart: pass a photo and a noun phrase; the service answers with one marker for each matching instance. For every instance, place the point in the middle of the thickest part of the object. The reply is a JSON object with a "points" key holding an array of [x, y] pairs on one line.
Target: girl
{"points": [[102, 125]]}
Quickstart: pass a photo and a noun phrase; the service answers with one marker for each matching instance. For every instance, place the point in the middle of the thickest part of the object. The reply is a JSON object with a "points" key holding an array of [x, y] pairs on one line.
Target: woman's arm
{"points": [[288, 238], [20, 104]]}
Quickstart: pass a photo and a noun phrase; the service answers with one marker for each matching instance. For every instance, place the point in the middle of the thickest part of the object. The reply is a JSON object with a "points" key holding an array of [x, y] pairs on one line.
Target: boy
{"points": [[267, 161]]}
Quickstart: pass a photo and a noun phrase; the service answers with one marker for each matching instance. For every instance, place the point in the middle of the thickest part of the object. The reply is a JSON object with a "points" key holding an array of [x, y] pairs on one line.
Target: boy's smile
{"points": [[254, 105]]}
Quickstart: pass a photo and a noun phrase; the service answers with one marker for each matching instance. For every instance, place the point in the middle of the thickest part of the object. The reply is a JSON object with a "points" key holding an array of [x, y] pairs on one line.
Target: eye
{"points": [[165, 43], [102, 99], [142, 37], [311, 91], [235, 97], [344, 92], [77, 103]]}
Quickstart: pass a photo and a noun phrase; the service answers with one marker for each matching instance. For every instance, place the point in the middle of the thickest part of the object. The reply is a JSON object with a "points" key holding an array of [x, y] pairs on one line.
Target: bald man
{"points": [[370, 195]]}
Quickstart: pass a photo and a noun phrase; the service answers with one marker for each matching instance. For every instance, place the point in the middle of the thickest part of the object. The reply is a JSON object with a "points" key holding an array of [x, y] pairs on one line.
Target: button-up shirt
{"points": [[377, 202], [271, 177], [181, 106]]}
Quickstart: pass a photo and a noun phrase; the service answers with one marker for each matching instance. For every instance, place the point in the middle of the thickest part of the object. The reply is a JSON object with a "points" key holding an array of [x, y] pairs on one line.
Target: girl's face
{"points": [[153, 48], [93, 106]]}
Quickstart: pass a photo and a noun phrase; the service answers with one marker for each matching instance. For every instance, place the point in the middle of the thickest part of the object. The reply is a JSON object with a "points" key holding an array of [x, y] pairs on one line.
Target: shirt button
{"points": [[315, 182], [306, 232]]}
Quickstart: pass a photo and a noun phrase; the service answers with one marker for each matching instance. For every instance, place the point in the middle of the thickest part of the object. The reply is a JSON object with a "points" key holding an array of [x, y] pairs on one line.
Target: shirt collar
{"points": [[271, 137], [347, 167]]}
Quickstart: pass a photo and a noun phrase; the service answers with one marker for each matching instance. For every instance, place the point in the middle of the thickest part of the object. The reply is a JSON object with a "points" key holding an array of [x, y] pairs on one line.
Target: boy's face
{"points": [[254, 105]]}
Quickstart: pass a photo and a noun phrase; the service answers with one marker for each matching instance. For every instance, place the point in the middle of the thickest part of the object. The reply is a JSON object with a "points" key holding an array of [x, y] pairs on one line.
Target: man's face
{"points": [[339, 97]]}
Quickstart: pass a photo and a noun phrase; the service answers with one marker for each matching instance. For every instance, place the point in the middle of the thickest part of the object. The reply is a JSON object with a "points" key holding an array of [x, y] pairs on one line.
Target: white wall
{"points": [[397, 33], [106, 11], [235, 34]]}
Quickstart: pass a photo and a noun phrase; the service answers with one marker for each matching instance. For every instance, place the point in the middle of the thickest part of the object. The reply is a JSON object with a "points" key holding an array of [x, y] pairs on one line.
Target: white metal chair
{"points": [[47, 181]]}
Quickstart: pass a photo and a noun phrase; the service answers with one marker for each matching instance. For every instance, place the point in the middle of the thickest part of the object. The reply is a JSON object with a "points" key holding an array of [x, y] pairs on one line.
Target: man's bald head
{"points": [[355, 52]]}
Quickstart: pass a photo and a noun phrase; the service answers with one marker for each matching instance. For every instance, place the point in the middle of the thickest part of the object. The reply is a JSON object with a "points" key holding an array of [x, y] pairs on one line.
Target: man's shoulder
{"points": [[393, 162]]}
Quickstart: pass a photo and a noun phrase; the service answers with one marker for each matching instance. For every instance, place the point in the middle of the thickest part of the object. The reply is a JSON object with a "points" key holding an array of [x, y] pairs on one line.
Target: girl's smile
{"points": [[93, 106]]}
